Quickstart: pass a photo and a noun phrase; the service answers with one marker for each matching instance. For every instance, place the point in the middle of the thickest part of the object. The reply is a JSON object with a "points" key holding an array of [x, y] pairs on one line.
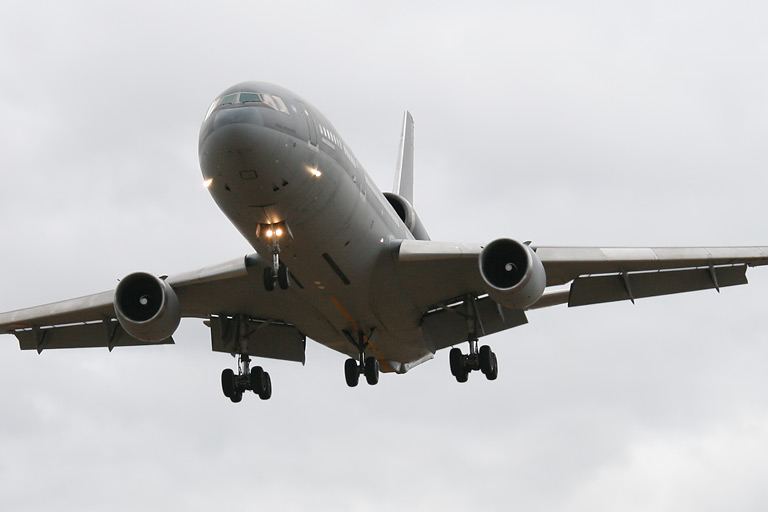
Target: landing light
{"points": [[207, 183], [270, 233], [314, 171]]}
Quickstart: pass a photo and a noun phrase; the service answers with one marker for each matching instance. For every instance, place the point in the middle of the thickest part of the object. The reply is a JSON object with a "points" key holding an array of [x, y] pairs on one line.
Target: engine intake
{"points": [[147, 307], [408, 215], [513, 274]]}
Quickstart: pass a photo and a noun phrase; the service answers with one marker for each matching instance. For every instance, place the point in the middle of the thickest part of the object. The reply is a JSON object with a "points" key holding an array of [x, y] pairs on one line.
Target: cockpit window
{"points": [[229, 99], [249, 97], [262, 98]]}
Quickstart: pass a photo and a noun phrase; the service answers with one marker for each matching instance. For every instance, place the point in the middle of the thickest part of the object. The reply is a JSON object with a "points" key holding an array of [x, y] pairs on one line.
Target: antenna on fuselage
{"points": [[404, 172]]}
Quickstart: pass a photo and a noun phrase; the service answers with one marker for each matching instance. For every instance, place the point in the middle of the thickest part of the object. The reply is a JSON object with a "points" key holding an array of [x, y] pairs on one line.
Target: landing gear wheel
{"points": [[486, 360], [237, 396], [283, 277], [269, 279], [456, 359], [372, 371], [495, 373], [228, 383], [266, 393], [463, 376], [351, 372], [258, 380]]}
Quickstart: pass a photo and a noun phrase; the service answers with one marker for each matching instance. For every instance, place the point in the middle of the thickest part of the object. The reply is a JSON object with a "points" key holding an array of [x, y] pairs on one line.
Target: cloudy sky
{"points": [[565, 123]]}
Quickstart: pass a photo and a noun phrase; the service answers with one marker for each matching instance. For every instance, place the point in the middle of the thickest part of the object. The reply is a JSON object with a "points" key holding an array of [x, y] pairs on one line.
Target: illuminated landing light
{"points": [[277, 232], [207, 183], [314, 171]]}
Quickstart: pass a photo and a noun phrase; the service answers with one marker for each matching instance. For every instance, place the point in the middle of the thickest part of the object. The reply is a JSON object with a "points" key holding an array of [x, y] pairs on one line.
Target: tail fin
{"points": [[404, 173]]}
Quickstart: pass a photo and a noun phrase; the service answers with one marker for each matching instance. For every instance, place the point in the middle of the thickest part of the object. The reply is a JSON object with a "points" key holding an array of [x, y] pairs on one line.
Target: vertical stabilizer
{"points": [[404, 173]]}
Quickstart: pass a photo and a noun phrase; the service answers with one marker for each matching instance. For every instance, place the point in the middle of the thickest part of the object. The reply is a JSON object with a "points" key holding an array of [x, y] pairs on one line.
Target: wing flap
{"points": [[564, 264], [107, 333], [638, 285], [264, 338], [449, 325]]}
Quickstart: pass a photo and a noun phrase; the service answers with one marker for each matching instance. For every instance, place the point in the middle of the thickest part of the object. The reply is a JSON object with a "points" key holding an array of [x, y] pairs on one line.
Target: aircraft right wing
{"points": [[437, 272]]}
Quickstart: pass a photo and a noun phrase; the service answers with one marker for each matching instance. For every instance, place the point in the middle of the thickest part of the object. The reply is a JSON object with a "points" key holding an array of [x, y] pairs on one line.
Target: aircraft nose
{"points": [[245, 157]]}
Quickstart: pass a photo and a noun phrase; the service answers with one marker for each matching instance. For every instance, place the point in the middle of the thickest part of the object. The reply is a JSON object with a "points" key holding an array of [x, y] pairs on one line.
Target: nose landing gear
{"points": [[277, 273]]}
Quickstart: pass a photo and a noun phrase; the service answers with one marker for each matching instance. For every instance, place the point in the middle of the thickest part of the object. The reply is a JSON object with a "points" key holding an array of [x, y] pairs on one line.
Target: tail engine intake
{"points": [[513, 274], [147, 307], [408, 215]]}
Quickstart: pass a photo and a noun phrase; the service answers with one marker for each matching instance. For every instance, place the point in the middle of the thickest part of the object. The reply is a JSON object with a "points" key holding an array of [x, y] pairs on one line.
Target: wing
{"points": [[436, 272], [228, 295]]}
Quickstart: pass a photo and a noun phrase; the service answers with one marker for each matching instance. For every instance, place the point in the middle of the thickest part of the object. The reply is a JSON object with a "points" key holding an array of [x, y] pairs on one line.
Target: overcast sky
{"points": [[565, 123]]}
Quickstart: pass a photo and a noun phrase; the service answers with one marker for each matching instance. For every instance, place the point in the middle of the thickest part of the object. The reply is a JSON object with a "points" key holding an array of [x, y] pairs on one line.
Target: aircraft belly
{"points": [[337, 251]]}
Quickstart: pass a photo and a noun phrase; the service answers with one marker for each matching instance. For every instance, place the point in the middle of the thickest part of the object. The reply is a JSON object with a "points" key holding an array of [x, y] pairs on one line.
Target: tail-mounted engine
{"points": [[408, 215], [147, 307], [513, 274]]}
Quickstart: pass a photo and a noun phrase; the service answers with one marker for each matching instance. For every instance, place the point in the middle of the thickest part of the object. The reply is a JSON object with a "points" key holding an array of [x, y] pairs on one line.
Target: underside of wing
{"points": [[436, 272], [229, 295]]}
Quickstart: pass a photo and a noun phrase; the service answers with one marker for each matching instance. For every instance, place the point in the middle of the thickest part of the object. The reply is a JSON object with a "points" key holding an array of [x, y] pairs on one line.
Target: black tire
{"points": [[463, 376], [351, 372], [269, 279], [258, 380], [283, 277], [372, 371], [236, 397], [495, 373], [266, 394], [486, 359], [456, 359], [228, 382]]}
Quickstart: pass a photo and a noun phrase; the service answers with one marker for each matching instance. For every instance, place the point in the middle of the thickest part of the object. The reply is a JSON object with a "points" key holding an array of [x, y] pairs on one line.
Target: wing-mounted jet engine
{"points": [[147, 307], [513, 274]]}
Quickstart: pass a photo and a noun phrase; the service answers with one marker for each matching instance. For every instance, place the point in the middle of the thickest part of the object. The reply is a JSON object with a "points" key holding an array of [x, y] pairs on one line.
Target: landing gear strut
{"points": [[368, 366], [247, 379], [482, 359]]}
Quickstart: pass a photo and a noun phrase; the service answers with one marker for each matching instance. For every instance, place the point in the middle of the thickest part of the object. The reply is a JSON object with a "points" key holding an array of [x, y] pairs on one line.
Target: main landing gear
{"points": [[483, 360], [368, 366], [247, 379]]}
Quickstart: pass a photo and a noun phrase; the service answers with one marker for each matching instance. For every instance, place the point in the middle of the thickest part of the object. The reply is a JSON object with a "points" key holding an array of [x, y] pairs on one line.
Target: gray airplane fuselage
{"points": [[274, 160]]}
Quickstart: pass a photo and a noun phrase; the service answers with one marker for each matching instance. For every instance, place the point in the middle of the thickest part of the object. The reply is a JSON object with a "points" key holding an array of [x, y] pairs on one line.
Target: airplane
{"points": [[341, 263]]}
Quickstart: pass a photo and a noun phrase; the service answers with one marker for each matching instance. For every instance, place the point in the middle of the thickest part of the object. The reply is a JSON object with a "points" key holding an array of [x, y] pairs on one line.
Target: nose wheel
{"points": [[281, 276]]}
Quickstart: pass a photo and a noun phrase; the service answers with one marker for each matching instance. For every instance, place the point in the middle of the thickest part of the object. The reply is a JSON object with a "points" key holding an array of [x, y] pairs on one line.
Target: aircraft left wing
{"points": [[441, 271], [224, 294]]}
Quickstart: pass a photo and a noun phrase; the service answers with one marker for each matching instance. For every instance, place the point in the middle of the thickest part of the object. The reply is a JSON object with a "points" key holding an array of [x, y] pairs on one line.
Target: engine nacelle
{"points": [[513, 274], [147, 307], [408, 215]]}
